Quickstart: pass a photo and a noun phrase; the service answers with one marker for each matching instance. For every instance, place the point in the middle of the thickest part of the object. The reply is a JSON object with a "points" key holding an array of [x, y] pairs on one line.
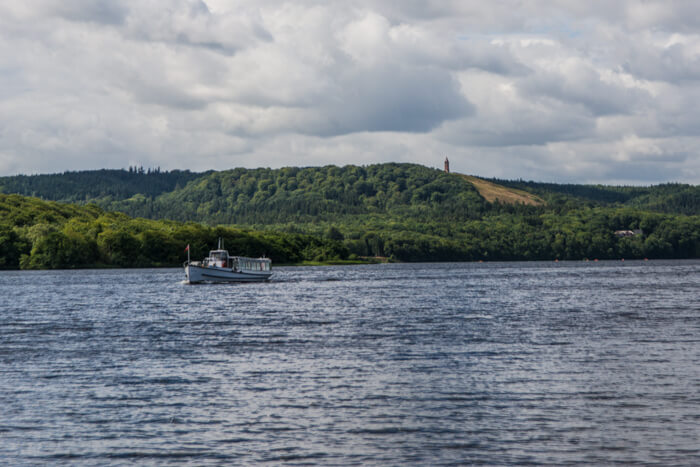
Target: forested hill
{"points": [[261, 196], [265, 196], [246, 196], [669, 197], [97, 186], [406, 212], [36, 234]]}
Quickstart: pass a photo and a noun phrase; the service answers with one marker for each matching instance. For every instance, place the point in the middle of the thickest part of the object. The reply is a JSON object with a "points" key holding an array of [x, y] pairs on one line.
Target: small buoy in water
{"points": [[595, 260]]}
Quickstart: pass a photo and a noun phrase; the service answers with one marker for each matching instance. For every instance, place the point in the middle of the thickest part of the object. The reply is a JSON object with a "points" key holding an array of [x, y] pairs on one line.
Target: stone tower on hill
{"points": [[447, 165]]}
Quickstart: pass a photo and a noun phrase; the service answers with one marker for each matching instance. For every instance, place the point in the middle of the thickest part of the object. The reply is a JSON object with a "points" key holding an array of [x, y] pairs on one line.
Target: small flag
{"points": [[188, 247]]}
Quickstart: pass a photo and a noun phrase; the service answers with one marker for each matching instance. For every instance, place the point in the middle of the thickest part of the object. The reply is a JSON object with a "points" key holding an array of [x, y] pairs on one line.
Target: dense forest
{"points": [[151, 192], [36, 234], [670, 197], [98, 186], [405, 212]]}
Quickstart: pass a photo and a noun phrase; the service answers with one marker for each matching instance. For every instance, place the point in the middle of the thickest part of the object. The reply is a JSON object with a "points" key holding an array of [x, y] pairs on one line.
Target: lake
{"points": [[390, 364]]}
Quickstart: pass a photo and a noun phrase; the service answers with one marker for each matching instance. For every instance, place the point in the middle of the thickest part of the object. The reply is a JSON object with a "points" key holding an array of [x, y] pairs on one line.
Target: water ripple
{"points": [[489, 364]]}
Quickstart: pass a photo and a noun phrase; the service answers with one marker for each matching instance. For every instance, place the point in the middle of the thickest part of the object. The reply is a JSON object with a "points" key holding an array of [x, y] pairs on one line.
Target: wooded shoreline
{"points": [[321, 215]]}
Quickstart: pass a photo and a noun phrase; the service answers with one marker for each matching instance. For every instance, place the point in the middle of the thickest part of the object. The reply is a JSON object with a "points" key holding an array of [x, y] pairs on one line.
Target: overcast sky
{"points": [[597, 91]]}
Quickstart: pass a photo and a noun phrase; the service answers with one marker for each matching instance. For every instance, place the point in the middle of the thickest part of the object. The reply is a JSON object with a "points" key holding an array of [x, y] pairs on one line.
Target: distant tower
{"points": [[447, 165]]}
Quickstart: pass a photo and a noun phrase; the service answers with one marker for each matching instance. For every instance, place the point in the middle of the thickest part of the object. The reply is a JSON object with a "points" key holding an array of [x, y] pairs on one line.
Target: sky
{"points": [[559, 90]]}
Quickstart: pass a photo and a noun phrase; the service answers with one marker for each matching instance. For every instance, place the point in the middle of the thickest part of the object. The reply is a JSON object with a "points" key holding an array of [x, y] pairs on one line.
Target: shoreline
{"points": [[370, 263]]}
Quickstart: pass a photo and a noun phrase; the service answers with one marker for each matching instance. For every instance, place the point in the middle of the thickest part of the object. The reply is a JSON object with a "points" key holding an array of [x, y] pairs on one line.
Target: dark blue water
{"points": [[543, 363]]}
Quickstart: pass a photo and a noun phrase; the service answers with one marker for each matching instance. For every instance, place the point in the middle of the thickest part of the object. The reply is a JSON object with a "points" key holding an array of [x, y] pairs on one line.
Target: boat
{"points": [[220, 267]]}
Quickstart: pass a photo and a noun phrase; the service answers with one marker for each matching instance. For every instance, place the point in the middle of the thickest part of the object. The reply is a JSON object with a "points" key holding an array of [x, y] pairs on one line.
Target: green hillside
{"points": [[104, 185], [265, 196], [670, 197], [413, 213], [251, 195], [36, 234]]}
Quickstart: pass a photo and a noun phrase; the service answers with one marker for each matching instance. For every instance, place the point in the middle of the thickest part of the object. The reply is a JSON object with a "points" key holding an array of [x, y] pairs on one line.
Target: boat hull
{"points": [[198, 274]]}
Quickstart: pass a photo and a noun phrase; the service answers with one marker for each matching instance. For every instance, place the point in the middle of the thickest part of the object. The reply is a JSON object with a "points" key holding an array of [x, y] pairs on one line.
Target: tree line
{"points": [[36, 234], [248, 195], [405, 212], [674, 198]]}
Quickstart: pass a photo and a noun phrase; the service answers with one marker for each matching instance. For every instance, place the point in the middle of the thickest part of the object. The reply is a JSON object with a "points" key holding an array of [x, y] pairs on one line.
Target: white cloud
{"points": [[577, 91]]}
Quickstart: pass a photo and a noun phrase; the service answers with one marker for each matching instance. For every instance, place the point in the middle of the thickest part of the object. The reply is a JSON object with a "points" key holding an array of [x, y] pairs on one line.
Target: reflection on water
{"points": [[502, 363]]}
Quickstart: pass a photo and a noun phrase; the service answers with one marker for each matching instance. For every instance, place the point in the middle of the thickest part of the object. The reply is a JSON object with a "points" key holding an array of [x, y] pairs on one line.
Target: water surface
{"points": [[495, 363]]}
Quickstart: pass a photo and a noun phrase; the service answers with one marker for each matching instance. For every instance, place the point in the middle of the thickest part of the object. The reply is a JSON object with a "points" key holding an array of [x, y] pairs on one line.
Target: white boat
{"points": [[220, 267]]}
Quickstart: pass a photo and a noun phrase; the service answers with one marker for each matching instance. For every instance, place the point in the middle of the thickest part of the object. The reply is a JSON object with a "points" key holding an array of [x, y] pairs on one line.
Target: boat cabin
{"points": [[221, 259]]}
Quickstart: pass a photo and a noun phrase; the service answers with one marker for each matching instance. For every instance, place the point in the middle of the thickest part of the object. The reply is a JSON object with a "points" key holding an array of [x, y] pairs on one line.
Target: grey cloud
{"points": [[388, 98], [164, 94], [393, 99], [675, 63], [638, 171], [575, 163], [184, 39], [584, 86], [523, 127], [101, 12], [462, 52], [495, 59], [191, 23]]}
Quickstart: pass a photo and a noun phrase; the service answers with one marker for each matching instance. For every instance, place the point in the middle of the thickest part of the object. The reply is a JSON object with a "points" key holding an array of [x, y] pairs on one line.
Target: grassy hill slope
{"points": [[493, 192]]}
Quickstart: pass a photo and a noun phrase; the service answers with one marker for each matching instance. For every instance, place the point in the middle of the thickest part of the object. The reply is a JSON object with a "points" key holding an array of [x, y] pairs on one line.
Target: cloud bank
{"points": [[557, 91]]}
